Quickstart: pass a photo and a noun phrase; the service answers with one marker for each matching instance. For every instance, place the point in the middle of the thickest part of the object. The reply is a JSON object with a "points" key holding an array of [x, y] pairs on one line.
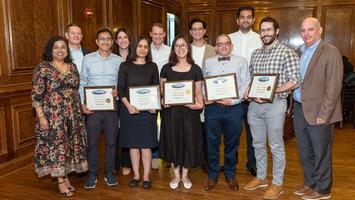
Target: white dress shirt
{"points": [[245, 43], [160, 56]]}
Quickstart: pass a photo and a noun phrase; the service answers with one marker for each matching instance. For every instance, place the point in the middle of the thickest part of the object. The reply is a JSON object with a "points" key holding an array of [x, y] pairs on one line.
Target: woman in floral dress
{"points": [[60, 135]]}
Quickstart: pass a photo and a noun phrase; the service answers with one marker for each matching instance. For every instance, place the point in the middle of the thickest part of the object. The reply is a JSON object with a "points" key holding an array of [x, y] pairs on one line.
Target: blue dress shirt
{"points": [[306, 57]]}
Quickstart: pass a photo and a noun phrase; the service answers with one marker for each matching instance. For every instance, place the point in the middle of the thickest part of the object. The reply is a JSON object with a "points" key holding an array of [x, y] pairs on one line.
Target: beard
{"points": [[267, 41]]}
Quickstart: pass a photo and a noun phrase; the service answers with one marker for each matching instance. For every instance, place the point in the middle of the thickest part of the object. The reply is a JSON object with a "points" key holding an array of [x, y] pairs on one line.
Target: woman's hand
{"points": [[43, 123], [152, 111], [132, 109], [196, 106]]}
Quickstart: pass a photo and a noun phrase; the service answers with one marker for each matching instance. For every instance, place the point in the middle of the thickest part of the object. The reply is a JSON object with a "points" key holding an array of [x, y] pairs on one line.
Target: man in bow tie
{"points": [[224, 115]]}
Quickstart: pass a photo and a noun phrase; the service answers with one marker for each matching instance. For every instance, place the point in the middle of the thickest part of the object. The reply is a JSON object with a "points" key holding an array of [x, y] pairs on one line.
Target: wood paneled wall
{"points": [[336, 16], [25, 26]]}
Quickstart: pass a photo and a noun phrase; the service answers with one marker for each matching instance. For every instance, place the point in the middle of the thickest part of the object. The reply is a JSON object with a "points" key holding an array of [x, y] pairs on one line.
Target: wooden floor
{"points": [[24, 184]]}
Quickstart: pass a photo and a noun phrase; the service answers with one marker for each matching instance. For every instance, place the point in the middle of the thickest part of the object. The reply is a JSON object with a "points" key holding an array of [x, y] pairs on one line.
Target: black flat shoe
{"points": [[147, 184], [133, 183], [252, 171]]}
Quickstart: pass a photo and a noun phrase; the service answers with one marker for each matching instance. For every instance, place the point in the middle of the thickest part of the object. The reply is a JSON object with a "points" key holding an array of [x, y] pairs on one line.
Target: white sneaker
{"points": [[174, 184], [187, 184]]}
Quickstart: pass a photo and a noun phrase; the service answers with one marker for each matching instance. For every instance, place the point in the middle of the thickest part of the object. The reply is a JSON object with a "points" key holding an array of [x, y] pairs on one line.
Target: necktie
{"points": [[223, 58]]}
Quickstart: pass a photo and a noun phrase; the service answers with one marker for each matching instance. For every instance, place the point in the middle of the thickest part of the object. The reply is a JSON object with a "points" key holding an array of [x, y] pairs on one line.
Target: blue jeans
{"points": [[227, 120]]}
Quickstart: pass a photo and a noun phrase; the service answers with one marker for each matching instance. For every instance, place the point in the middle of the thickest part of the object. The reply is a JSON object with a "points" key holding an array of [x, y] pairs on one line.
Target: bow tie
{"points": [[223, 58]]}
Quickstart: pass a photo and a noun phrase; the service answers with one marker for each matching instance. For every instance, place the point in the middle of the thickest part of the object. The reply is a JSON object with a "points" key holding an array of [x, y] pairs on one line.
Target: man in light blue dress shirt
{"points": [[100, 68], [225, 115]]}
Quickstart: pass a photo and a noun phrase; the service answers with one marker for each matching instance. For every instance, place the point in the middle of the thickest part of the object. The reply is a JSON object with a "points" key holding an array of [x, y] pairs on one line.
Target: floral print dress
{"points": [[61, 149]]}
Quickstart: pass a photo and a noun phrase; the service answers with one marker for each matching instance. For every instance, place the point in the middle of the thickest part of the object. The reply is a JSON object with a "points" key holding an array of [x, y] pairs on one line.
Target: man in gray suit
{"points": [[317, 107]]}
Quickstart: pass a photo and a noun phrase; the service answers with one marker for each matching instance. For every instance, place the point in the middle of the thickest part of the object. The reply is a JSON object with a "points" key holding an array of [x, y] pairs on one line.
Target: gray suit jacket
{"points": [[321, 87]]}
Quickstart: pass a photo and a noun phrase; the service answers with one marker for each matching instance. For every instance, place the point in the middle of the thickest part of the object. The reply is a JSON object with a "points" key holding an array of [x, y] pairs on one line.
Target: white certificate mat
{"points": [[179, 92], [221, 87], [263, 86], [145, 97], [99, 98]]}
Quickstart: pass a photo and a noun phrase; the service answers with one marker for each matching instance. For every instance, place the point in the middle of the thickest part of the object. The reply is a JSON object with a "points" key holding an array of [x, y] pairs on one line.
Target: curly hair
{"points": [[48, 49]]}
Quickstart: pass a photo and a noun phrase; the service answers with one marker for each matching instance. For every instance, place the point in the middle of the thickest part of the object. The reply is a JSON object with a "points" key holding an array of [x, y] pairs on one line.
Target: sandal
{"points": [[70, 187], [67, 193]]}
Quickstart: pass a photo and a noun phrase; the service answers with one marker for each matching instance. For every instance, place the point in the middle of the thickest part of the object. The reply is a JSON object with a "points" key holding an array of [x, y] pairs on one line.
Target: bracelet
{"points": [[39, 115]]}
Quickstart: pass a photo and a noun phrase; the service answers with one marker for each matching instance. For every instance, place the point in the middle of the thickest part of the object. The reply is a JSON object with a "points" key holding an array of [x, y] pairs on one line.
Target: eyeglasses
{"points": [[182, 46], [223, 44], [108, 39], [195, 30], [268, 30]]}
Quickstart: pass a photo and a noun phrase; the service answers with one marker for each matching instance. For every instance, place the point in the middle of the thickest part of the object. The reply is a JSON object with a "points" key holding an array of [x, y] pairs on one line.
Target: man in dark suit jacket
{"points": [[317, 107], [74, 35]]}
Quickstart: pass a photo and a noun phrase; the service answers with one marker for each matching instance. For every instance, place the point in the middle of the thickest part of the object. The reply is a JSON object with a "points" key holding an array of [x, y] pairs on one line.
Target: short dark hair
{"points": [[195, 20], [251, 8], [133, 55], [116, 48], [70, 25], [274, 22], [104, 30], [48, 49], [173, 58]]}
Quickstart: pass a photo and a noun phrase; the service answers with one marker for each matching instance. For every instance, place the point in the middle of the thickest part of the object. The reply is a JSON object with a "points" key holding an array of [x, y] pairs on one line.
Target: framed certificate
{"points": [[99, 98], [179, 92], [145, 97], [263, 86], [221, 87]]}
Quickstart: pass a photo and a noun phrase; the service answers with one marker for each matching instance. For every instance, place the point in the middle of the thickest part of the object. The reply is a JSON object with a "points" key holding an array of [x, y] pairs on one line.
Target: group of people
{"points": [[67, 131]]}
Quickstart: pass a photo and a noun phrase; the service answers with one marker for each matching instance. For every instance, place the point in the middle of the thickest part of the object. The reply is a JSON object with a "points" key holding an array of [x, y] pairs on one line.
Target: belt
{"points": [[296, 102], [222, 105]]}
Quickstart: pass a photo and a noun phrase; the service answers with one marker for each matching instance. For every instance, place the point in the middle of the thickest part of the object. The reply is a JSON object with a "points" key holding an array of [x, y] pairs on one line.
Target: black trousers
{"points": [[108, 123]]}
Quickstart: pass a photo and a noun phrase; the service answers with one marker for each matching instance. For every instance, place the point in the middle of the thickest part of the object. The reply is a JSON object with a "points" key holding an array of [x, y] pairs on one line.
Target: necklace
{"points": [[63, 68]]}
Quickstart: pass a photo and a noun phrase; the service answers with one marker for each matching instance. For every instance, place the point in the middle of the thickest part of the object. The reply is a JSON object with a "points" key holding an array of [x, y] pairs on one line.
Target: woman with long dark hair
{"points": [[121, 47], [138, 129], [60, 134], [181, 133]]}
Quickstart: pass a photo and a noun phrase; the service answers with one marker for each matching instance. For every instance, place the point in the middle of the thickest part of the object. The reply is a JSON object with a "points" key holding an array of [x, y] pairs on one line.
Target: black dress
{"points": [[181, 131], [137, 130]]}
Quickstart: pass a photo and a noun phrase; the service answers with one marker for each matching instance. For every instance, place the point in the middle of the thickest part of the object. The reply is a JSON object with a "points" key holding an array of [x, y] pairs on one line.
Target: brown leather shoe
{"points": [[273, 192], [232, 183], [210, 184], [302, 190], [313, 195]]}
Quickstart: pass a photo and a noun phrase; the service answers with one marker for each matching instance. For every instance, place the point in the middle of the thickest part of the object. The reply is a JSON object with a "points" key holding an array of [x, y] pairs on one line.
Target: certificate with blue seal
{"points": [[145, 97], [99, 98]]}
